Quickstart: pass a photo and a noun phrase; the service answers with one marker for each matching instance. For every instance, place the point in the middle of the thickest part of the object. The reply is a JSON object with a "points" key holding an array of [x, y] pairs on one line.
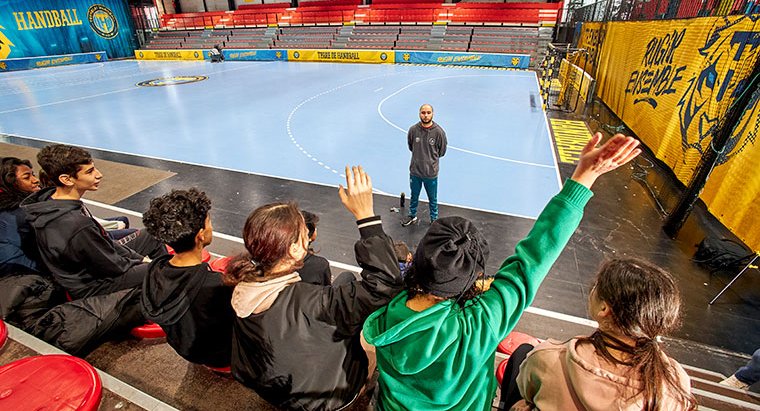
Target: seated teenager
{"points": [[72, 245], [18, 249], [181, 293], [436, 341], [298, 345], [621, 366], [316, 269]]}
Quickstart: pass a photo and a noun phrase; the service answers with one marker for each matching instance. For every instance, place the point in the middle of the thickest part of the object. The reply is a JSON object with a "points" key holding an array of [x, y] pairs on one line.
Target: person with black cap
{"points": [[436, 341]]}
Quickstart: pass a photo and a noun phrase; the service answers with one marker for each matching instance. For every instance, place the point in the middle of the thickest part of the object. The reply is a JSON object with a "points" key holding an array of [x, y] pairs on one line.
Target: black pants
{"points": [[510, 394]]}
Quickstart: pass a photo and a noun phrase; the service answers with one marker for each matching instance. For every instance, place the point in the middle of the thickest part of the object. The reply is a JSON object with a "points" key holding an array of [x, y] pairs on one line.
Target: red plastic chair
{"points": [[220, 264], [514, 340], [149, 330], [205, 255], [500, 370], [3, 334], [49, 382], [220, 370]]}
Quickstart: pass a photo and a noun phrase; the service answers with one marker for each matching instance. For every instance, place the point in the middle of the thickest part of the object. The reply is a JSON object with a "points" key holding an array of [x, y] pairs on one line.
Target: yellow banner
{"points": [[670, 82], [169, 54], [342, 56], [590, 40]]}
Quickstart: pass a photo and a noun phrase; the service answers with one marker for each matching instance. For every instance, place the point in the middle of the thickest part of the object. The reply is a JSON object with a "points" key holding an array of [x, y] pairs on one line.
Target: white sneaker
{"points": [[732, 381]]}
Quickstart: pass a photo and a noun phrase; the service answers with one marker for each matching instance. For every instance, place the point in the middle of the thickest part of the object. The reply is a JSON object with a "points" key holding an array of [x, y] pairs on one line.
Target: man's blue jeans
{"points": [[750, 373], [431, 188]]}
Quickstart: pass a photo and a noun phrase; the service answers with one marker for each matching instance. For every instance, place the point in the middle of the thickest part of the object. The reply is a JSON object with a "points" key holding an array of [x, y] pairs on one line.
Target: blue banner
{"points": [[59, 27], [520, 61], [255, 55], [27, 63]]}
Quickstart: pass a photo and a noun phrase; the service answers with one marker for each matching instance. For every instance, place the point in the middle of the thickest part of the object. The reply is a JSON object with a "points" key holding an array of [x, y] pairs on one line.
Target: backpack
{"points": [[722, 255]]}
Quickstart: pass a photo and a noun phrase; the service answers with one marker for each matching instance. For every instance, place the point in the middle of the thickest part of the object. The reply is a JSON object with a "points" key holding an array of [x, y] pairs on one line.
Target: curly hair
{"points": [[414, 287], [177, 217], [10, 194], [59, 159]]}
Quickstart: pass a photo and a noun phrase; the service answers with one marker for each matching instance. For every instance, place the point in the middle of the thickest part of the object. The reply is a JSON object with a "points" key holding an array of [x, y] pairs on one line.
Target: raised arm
{"points": [[350, 304], [520, 275]]}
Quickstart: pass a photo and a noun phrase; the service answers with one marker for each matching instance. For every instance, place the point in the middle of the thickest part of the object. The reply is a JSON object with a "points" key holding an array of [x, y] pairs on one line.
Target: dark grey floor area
{"points": [[621, 220]]}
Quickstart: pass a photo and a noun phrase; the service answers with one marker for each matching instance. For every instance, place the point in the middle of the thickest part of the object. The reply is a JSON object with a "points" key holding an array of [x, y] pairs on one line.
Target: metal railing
{"points": [[632, 10]]}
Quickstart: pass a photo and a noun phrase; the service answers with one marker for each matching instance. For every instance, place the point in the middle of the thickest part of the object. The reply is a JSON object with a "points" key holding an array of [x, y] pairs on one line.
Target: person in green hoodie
{"points": [[436, 341]]}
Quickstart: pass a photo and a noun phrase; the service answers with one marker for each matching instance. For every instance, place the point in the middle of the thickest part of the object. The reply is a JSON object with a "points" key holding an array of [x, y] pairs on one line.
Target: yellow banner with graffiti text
{"points": [[575, 84], [169, 54], [590, 41], [670, 82], [342, 56]]}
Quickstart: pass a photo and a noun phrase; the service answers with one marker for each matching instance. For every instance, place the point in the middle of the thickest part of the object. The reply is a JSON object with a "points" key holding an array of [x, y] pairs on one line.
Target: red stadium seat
{"points": [[149, 330], [49, 382], [500, 370], [205, 255], [220, 264], [514, 340], [220, 370], [3, 333]]}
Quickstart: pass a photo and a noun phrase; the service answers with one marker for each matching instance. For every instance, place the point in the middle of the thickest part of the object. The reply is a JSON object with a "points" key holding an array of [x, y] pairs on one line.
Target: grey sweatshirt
{"points": [[427, 146]]}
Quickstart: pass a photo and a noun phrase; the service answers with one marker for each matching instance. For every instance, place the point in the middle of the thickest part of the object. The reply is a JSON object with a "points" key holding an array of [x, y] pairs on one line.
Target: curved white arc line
{"points": [[299, 105], [380, 112]]}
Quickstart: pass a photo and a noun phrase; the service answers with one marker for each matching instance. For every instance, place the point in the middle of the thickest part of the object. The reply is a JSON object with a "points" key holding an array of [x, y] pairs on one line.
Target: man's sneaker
{"points": [[732, 381], [409, 221]]}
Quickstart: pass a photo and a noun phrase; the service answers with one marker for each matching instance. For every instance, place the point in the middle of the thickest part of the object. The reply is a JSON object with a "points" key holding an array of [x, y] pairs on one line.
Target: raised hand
{"points": [[357, 197], [595, 161]]}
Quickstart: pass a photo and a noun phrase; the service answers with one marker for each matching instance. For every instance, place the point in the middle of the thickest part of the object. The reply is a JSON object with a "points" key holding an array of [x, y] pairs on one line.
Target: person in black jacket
{"points": [[18, 249], [298, 345], [181, 293], [316, 269], [73, 246]]}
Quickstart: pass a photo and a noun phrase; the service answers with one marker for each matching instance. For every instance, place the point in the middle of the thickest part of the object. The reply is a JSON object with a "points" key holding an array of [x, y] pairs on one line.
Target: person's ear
{"points": [[295, 251], [200, 237], [66, 180]]}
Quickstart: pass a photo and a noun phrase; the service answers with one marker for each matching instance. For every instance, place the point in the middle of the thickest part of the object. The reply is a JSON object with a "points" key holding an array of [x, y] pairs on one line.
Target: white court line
{"points": [[485, 210], [109, 382], [134, 87], [380, 112], [349, 267], [548, 132]]}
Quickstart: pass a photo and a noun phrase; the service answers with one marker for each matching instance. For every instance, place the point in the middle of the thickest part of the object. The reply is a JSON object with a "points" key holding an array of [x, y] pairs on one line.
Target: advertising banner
{"points": [[169, 54], [255, 55], [342, 56], [59, 27], [50, 61], [671, 82], [464, 59]]}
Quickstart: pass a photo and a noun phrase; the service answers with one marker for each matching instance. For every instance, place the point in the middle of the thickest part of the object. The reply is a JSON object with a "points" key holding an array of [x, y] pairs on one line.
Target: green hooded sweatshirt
{"points": [[443, 357]]}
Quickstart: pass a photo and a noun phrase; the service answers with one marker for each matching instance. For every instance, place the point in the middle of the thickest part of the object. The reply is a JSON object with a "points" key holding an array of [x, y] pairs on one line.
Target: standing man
{"points": [[427, 142]]}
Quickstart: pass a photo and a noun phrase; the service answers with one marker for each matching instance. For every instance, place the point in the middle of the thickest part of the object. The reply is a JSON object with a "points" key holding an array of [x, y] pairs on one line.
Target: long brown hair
{"points": [[645, 304], [268, 233]]}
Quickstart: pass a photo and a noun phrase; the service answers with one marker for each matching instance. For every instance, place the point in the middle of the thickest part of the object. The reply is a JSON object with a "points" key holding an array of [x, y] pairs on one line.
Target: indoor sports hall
{"points": [[306, 88]]}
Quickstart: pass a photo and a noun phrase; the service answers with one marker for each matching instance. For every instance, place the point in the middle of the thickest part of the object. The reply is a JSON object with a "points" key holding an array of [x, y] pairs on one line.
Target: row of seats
{"points": [[377, 12], [520, 40]]}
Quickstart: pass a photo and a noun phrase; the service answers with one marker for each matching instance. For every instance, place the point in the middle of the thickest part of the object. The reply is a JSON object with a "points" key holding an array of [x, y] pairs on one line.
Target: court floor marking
{"points": [[299, 105], [378, 192], [549, 133], [380, 111], [343, 266], [134, 87], [570, 137]]}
